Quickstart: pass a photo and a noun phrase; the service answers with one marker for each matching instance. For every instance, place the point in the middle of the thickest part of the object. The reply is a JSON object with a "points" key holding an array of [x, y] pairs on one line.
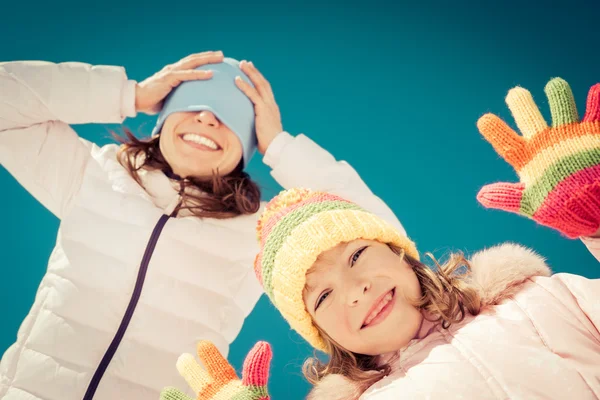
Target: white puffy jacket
{"points": [[127, 288]]}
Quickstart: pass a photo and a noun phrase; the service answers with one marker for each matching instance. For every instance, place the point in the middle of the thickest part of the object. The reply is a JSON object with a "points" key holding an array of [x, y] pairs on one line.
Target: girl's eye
{"points": [[321, 299], [356, 255]]}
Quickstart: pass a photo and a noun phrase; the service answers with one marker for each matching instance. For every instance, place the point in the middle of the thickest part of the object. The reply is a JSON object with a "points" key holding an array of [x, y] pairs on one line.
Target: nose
{"points": [[206, 117], [357, 293]]}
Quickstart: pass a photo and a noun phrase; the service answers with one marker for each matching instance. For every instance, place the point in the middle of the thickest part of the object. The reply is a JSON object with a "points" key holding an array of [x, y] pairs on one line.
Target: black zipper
{"points": [[137, 291]]}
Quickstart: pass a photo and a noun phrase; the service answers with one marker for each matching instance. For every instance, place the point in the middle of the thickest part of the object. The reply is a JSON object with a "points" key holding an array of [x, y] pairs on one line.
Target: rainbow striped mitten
{"points": [[219, 381], [558, 166]]}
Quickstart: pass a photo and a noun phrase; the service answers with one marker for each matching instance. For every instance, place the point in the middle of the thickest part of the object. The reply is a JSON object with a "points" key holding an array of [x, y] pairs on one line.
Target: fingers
{"points": [[507, 143], [185, 69], [174, 78], [196, 60], [195, 376], [257, 364], [526, 113], [592, 109], [502, 196], [216, 365], [171, 393], [263, 87], [562, 102], [249, 91]]}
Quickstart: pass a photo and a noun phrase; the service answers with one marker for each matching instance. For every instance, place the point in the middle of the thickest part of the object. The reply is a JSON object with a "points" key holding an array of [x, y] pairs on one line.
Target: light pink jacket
{"points": [[536, 338]]}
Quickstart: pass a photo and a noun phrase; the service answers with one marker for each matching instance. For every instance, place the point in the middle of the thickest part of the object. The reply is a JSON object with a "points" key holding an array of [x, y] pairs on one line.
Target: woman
{"points": [[156, 241]]}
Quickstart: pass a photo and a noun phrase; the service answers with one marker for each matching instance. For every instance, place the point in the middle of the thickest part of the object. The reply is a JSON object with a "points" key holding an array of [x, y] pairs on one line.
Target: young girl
{"points": [[499, 326], [156, 239]]}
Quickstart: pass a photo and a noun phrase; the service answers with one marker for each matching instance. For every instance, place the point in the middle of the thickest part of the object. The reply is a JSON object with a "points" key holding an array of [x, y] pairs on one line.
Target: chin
{"points": [[380, 344], [199, 167], [201, 176], [388, 347], [390, 340]]}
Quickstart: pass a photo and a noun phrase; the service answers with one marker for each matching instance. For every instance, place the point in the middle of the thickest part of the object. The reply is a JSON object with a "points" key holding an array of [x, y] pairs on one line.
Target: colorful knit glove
{"points": [[558, 166], [219, 381]]}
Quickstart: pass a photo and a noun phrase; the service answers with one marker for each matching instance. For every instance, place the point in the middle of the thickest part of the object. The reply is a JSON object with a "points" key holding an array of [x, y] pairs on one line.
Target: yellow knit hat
{"points": [[295, 228]]}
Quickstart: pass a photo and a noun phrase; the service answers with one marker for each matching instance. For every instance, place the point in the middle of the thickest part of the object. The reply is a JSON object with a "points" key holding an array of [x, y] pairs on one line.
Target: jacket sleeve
{"points": [[593, 245], [579, 292], [300, 162], [38, 101], [586, 293]]}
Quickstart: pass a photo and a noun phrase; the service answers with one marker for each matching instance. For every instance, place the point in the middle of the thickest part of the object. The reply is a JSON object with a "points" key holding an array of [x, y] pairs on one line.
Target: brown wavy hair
{"points": [[447, 297], [218, 197]]}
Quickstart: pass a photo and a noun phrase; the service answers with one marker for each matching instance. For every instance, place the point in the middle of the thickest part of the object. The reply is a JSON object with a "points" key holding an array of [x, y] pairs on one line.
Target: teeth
{"points": [[192, 137], [376, 311]]}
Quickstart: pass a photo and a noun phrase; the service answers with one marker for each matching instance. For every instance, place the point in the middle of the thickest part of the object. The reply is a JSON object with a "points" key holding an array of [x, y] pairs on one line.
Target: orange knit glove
{"points": [[219, 381]]}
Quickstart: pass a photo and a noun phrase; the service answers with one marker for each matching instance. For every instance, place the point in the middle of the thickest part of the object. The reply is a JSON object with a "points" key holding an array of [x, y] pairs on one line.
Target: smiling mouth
{"points": [[200, 141], [381, 310]]}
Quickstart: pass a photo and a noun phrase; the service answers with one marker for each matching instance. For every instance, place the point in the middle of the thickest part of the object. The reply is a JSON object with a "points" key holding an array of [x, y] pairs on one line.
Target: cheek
{"points": [[168, 128], [409, 316], [234, 149], [232, 157], [167, 137], [336, 325], [414, 287], [405, 310], [409, 323], [407, 280], [166, 145]]}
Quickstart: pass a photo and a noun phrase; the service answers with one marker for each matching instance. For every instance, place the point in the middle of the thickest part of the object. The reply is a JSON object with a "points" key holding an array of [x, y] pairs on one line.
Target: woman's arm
{"points": [[300, 162], [38, 101]]}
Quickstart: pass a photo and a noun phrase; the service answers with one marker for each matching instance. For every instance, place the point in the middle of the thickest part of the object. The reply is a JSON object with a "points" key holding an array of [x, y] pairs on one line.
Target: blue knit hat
{"points": [[222, 97]]}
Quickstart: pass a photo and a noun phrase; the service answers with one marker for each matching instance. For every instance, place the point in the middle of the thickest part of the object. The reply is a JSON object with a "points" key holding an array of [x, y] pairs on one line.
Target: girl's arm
{"points": [[38, 101]]}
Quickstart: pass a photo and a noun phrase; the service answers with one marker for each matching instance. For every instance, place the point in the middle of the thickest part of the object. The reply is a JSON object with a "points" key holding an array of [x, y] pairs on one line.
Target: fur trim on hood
{"points": [[497, 272]]}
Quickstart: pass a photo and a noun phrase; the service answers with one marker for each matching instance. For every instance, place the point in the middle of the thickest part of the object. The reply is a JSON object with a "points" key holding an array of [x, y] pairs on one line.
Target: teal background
{"points": [[395, 88]]}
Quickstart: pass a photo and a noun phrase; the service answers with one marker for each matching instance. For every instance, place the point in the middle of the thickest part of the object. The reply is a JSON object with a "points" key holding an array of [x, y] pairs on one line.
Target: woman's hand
{"points": [[268, 119], [150, 93]]}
